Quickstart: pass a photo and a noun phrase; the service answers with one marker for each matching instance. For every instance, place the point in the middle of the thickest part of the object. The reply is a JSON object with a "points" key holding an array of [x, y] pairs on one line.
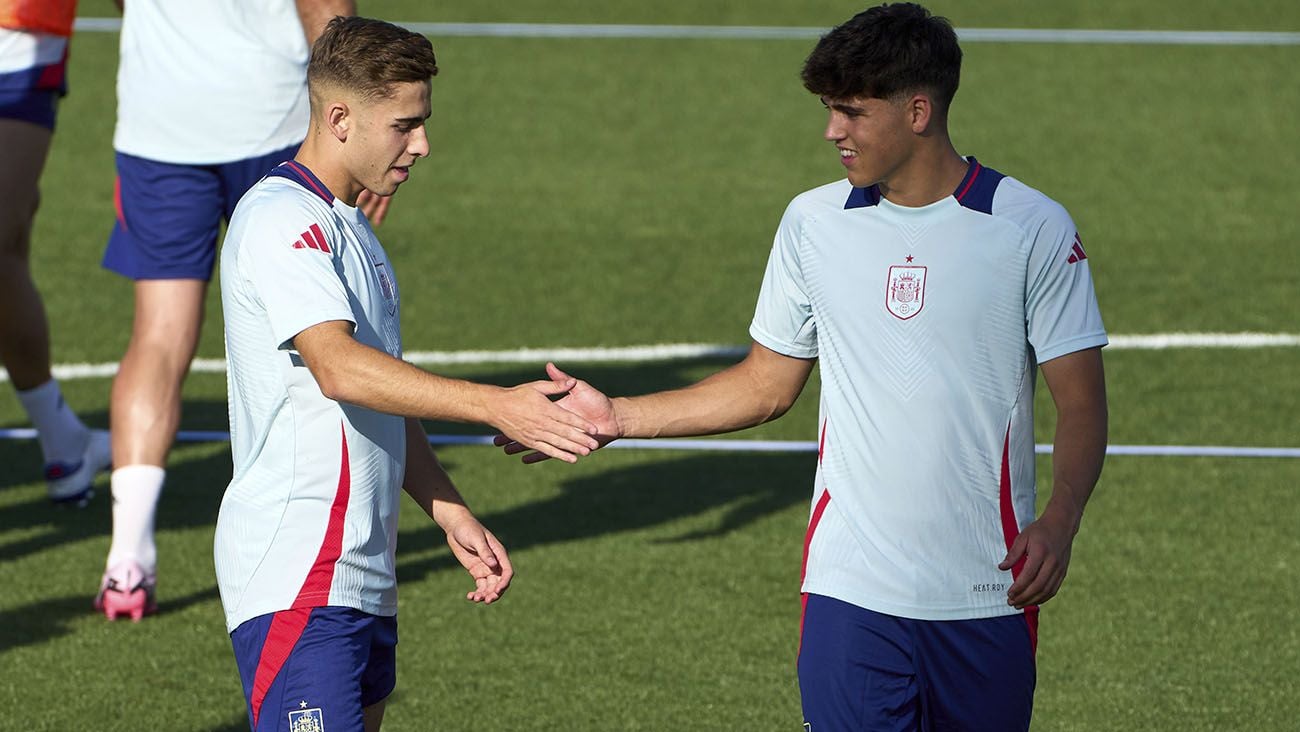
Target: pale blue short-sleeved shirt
{"points": [[927, 324]]}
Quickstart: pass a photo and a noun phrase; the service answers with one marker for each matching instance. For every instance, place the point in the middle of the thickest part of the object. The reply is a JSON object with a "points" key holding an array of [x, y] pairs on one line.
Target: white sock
{"points": [[135, 500], [62, 436]]}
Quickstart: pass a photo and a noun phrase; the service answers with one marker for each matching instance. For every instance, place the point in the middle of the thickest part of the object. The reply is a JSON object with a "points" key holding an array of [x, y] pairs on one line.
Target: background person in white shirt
{"points": [[929, 290], [211, 94]]}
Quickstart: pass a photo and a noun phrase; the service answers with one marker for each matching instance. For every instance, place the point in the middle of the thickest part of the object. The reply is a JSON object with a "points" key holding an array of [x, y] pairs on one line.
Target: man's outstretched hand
{"points": [[582, 399]]}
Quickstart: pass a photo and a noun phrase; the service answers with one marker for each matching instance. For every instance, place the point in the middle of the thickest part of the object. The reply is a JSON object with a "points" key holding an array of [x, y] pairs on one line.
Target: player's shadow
{"points": [[190, 498], [750, 487], [45, 620], [625, 499]]}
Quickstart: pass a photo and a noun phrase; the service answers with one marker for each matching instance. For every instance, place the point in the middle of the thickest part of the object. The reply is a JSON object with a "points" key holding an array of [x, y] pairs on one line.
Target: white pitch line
{"points": [[769, 446], [763, 33], [689, 352]]}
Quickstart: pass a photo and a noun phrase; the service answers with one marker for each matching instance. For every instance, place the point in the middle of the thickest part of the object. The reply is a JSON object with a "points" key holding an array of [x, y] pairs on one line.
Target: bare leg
{"points": [[145, 412], [146, 400], [373, 715], [24, 332]]}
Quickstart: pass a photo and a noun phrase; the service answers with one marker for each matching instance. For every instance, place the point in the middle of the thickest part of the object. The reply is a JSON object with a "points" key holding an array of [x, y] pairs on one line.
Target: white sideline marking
{"points": [[27, 433], [691, 351], [750, 32]]}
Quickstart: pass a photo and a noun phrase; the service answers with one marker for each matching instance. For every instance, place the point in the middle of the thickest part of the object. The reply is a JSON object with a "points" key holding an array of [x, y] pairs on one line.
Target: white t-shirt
{"points": [[310, 515], [210, 81], [22, 51], [927, 324]]}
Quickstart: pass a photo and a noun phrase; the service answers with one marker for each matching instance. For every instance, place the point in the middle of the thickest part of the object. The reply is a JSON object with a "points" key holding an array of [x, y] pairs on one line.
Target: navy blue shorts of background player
{"points": [[321, 664], [32, 95], [863, 670], [169, 215]]}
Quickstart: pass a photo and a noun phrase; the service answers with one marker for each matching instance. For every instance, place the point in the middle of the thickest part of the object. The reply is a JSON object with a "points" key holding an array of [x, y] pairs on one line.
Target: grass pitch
{"points": [[602, 192]]}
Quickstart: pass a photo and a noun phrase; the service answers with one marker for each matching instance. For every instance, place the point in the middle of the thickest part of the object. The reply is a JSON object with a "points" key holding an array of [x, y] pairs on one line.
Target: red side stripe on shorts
{"points": [[286, 628], [1010, 530], [321, 575], [117, 201]]}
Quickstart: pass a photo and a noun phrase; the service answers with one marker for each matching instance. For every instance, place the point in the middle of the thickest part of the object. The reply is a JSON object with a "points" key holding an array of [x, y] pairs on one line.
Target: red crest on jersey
{"points": [[905, 291]]}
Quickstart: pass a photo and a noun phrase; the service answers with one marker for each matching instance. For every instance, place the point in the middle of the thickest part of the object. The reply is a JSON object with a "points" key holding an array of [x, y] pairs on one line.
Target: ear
{"points": [[920, 112], [338, 120]]}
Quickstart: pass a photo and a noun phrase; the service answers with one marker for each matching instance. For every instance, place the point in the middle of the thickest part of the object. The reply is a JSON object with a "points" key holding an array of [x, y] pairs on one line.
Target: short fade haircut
{"points": [[884, 52], [368, 57]]}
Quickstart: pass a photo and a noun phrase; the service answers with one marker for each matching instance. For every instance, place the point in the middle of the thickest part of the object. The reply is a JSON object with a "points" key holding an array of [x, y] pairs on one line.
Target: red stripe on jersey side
{"points": [[974, 174], [316, 588], [307, 179], [818, 510], [286, 628], [320, 238], [1010, 530]]}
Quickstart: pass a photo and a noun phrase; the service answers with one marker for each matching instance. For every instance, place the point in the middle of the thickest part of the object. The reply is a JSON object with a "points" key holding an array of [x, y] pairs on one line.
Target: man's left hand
{"points": [[1044, 548]]}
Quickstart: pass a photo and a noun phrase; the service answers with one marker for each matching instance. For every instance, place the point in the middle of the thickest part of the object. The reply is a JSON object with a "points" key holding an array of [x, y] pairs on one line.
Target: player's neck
{"points": [[330, 170], [931, 174]]}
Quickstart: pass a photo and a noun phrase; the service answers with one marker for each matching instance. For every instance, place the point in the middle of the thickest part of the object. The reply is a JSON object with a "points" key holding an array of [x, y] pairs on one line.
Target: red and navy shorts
{"points": [[169, 214], [321, 665], [863, 670], [32, 95]]}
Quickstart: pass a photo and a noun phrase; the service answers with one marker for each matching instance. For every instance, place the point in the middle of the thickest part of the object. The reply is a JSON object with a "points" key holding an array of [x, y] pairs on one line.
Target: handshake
{"points": [[582, 421]]}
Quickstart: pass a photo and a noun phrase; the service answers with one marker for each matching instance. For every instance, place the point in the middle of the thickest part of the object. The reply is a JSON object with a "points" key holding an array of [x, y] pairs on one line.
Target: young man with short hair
{"points": [[929, 289], [324, 413]]}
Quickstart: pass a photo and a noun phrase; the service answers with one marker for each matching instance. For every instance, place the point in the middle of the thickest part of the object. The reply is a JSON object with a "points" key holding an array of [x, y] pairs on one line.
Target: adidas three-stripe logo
{"points": [[312, 238], [1076, 251]]}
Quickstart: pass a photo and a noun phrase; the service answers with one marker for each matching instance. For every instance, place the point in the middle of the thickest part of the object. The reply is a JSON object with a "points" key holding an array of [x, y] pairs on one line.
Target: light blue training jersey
{"points": [[310, 515], [927, 324]]}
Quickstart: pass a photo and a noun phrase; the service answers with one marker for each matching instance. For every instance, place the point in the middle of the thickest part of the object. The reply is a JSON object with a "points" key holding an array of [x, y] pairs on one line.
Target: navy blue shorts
{"points": [[863, 670], [32, 95], [169, 215], [321, 664]]}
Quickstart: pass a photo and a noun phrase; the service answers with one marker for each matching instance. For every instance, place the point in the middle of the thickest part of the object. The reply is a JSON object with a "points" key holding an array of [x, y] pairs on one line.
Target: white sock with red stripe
{"points": [[62, 436], [135, 501]]}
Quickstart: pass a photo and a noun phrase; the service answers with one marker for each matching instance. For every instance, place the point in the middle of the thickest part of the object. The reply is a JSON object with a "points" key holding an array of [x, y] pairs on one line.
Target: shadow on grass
{"points": [[190, 498], [627, 499], [52, 618], [750, 486]]}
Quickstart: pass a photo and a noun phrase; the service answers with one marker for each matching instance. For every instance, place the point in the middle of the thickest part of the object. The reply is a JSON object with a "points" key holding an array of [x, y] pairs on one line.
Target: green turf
{"points": [[603, 192]]}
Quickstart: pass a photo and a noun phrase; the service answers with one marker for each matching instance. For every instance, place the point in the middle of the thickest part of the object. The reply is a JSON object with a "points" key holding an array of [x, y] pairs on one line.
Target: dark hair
{"points": [[886, 51], [369, 56]]}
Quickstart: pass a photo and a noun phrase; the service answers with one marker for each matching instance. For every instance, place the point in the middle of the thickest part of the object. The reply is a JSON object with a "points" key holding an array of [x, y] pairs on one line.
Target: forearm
{"points": [[427, 482], [757, 390], [1077, 382], [358, 374], [1078, 451], [316, 14]]}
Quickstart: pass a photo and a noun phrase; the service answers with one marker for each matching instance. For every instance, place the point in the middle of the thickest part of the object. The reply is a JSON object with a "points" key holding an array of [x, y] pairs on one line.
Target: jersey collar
{"points": [[300, 174]]}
